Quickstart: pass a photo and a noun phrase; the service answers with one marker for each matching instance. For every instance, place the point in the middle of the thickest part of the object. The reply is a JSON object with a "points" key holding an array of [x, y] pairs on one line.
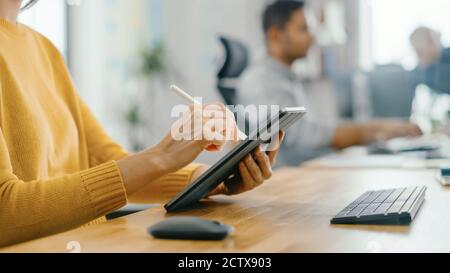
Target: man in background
{"points": [[272, 82], [434, 60]]}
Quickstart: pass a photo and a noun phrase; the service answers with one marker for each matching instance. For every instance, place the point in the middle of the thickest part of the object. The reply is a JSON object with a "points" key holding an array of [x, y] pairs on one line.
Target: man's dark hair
{"points": [[279, 13]]}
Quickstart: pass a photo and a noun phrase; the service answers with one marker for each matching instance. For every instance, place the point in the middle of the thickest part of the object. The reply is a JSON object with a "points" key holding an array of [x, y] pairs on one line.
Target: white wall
{"points": [[49, 18], [106, 38], [191, 32]]}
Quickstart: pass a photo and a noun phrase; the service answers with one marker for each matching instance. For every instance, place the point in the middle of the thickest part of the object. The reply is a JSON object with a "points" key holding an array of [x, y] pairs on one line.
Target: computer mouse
{"points": [[190, 228]]}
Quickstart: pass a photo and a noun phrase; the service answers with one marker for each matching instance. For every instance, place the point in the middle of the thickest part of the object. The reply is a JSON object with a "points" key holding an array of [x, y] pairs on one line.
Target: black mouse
{"points": [[190, 228]]}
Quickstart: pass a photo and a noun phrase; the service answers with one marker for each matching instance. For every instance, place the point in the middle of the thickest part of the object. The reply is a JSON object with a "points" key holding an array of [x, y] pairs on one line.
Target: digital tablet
{"points": [[227, 165]]}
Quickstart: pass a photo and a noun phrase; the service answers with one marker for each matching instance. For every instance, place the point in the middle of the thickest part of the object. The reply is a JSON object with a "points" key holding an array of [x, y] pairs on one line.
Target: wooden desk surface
{"points": [[291, 213]]}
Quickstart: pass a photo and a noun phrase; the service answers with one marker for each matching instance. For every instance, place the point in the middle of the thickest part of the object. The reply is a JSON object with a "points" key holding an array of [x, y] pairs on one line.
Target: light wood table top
{"points": [[290, 213]]}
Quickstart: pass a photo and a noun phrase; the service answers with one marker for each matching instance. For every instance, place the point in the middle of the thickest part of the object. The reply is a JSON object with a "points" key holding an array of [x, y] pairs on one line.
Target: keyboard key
{"points": [[342, 214], [350, 207], [374, 195], [396, 207], [406, 194], [369, 210], [359, 199], [383, 208], [356, 211], [383, 196], [393, 197], [412, 199]]}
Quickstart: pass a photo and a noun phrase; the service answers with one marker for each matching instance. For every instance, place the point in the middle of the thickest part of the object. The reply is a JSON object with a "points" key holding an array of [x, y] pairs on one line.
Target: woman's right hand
{"points": [[202, 127]]}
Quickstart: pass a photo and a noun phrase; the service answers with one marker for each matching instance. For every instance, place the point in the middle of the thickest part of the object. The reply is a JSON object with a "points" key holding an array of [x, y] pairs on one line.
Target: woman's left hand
{"points": [[254, 170]]}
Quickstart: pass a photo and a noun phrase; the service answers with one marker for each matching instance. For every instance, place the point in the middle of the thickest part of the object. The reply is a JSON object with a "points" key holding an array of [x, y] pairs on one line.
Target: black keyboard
{"points": [[395, 207]]}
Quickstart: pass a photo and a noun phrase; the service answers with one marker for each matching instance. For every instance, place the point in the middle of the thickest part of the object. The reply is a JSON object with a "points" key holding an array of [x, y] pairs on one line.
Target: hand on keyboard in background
{"points": [[383, 130]]}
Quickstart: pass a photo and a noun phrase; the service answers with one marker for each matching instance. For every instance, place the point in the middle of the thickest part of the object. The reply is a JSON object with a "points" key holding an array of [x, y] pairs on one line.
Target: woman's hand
{"points": [[253, 171], [202, 127]]}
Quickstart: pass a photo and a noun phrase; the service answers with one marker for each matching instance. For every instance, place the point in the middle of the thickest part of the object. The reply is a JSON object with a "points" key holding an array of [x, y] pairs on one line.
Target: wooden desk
{"points": [[291, 213]]}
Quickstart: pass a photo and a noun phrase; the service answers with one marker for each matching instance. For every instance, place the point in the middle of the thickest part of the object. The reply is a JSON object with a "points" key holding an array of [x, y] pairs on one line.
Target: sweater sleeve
{"points": [[32, 209], [173, 183], [166, 187], [102, 149]]}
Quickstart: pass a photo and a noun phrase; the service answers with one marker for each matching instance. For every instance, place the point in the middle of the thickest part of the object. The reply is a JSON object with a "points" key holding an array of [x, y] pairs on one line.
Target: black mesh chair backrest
{"points": [[236, 61]]}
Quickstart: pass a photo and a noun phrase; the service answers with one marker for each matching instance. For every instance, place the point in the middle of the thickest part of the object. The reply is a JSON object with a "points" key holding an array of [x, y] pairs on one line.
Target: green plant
{"points": [[153, 62], [153, 66], [133, 115]]}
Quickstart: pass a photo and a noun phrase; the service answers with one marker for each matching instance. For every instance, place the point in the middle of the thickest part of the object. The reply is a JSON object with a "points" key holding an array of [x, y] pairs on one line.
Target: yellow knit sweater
{"points": [[57, 165]]}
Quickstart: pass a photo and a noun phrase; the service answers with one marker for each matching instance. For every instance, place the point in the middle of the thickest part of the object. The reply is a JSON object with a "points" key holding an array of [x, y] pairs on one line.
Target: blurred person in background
{"points": [[434, 60], [273, 82]]}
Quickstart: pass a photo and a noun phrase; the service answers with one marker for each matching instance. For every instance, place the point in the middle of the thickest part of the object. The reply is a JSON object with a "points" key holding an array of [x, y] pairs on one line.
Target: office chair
{"points": [[236, 61]]}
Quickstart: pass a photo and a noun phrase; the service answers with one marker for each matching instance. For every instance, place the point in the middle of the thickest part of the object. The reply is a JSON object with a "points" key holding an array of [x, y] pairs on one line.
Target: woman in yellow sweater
{"points": [[58, 168]]}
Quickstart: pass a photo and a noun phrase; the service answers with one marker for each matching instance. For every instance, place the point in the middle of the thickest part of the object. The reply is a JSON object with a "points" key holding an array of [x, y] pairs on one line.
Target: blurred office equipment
{"points": [[443, 176], [391, 91], [430, 110], [236, 61], [427, 143], [385, 92]]}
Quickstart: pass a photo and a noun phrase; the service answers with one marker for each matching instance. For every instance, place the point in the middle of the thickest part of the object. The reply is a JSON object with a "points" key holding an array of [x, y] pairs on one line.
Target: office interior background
{"points": [[124, 54]]}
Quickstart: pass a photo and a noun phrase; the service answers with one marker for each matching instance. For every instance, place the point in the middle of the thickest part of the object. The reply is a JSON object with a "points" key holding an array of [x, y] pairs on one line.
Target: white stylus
{"points": [[183, 94]]}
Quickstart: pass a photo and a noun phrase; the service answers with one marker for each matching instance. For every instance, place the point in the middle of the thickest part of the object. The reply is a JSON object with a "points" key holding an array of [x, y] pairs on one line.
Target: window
{"points": [[50, 19], [389, 23]]}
